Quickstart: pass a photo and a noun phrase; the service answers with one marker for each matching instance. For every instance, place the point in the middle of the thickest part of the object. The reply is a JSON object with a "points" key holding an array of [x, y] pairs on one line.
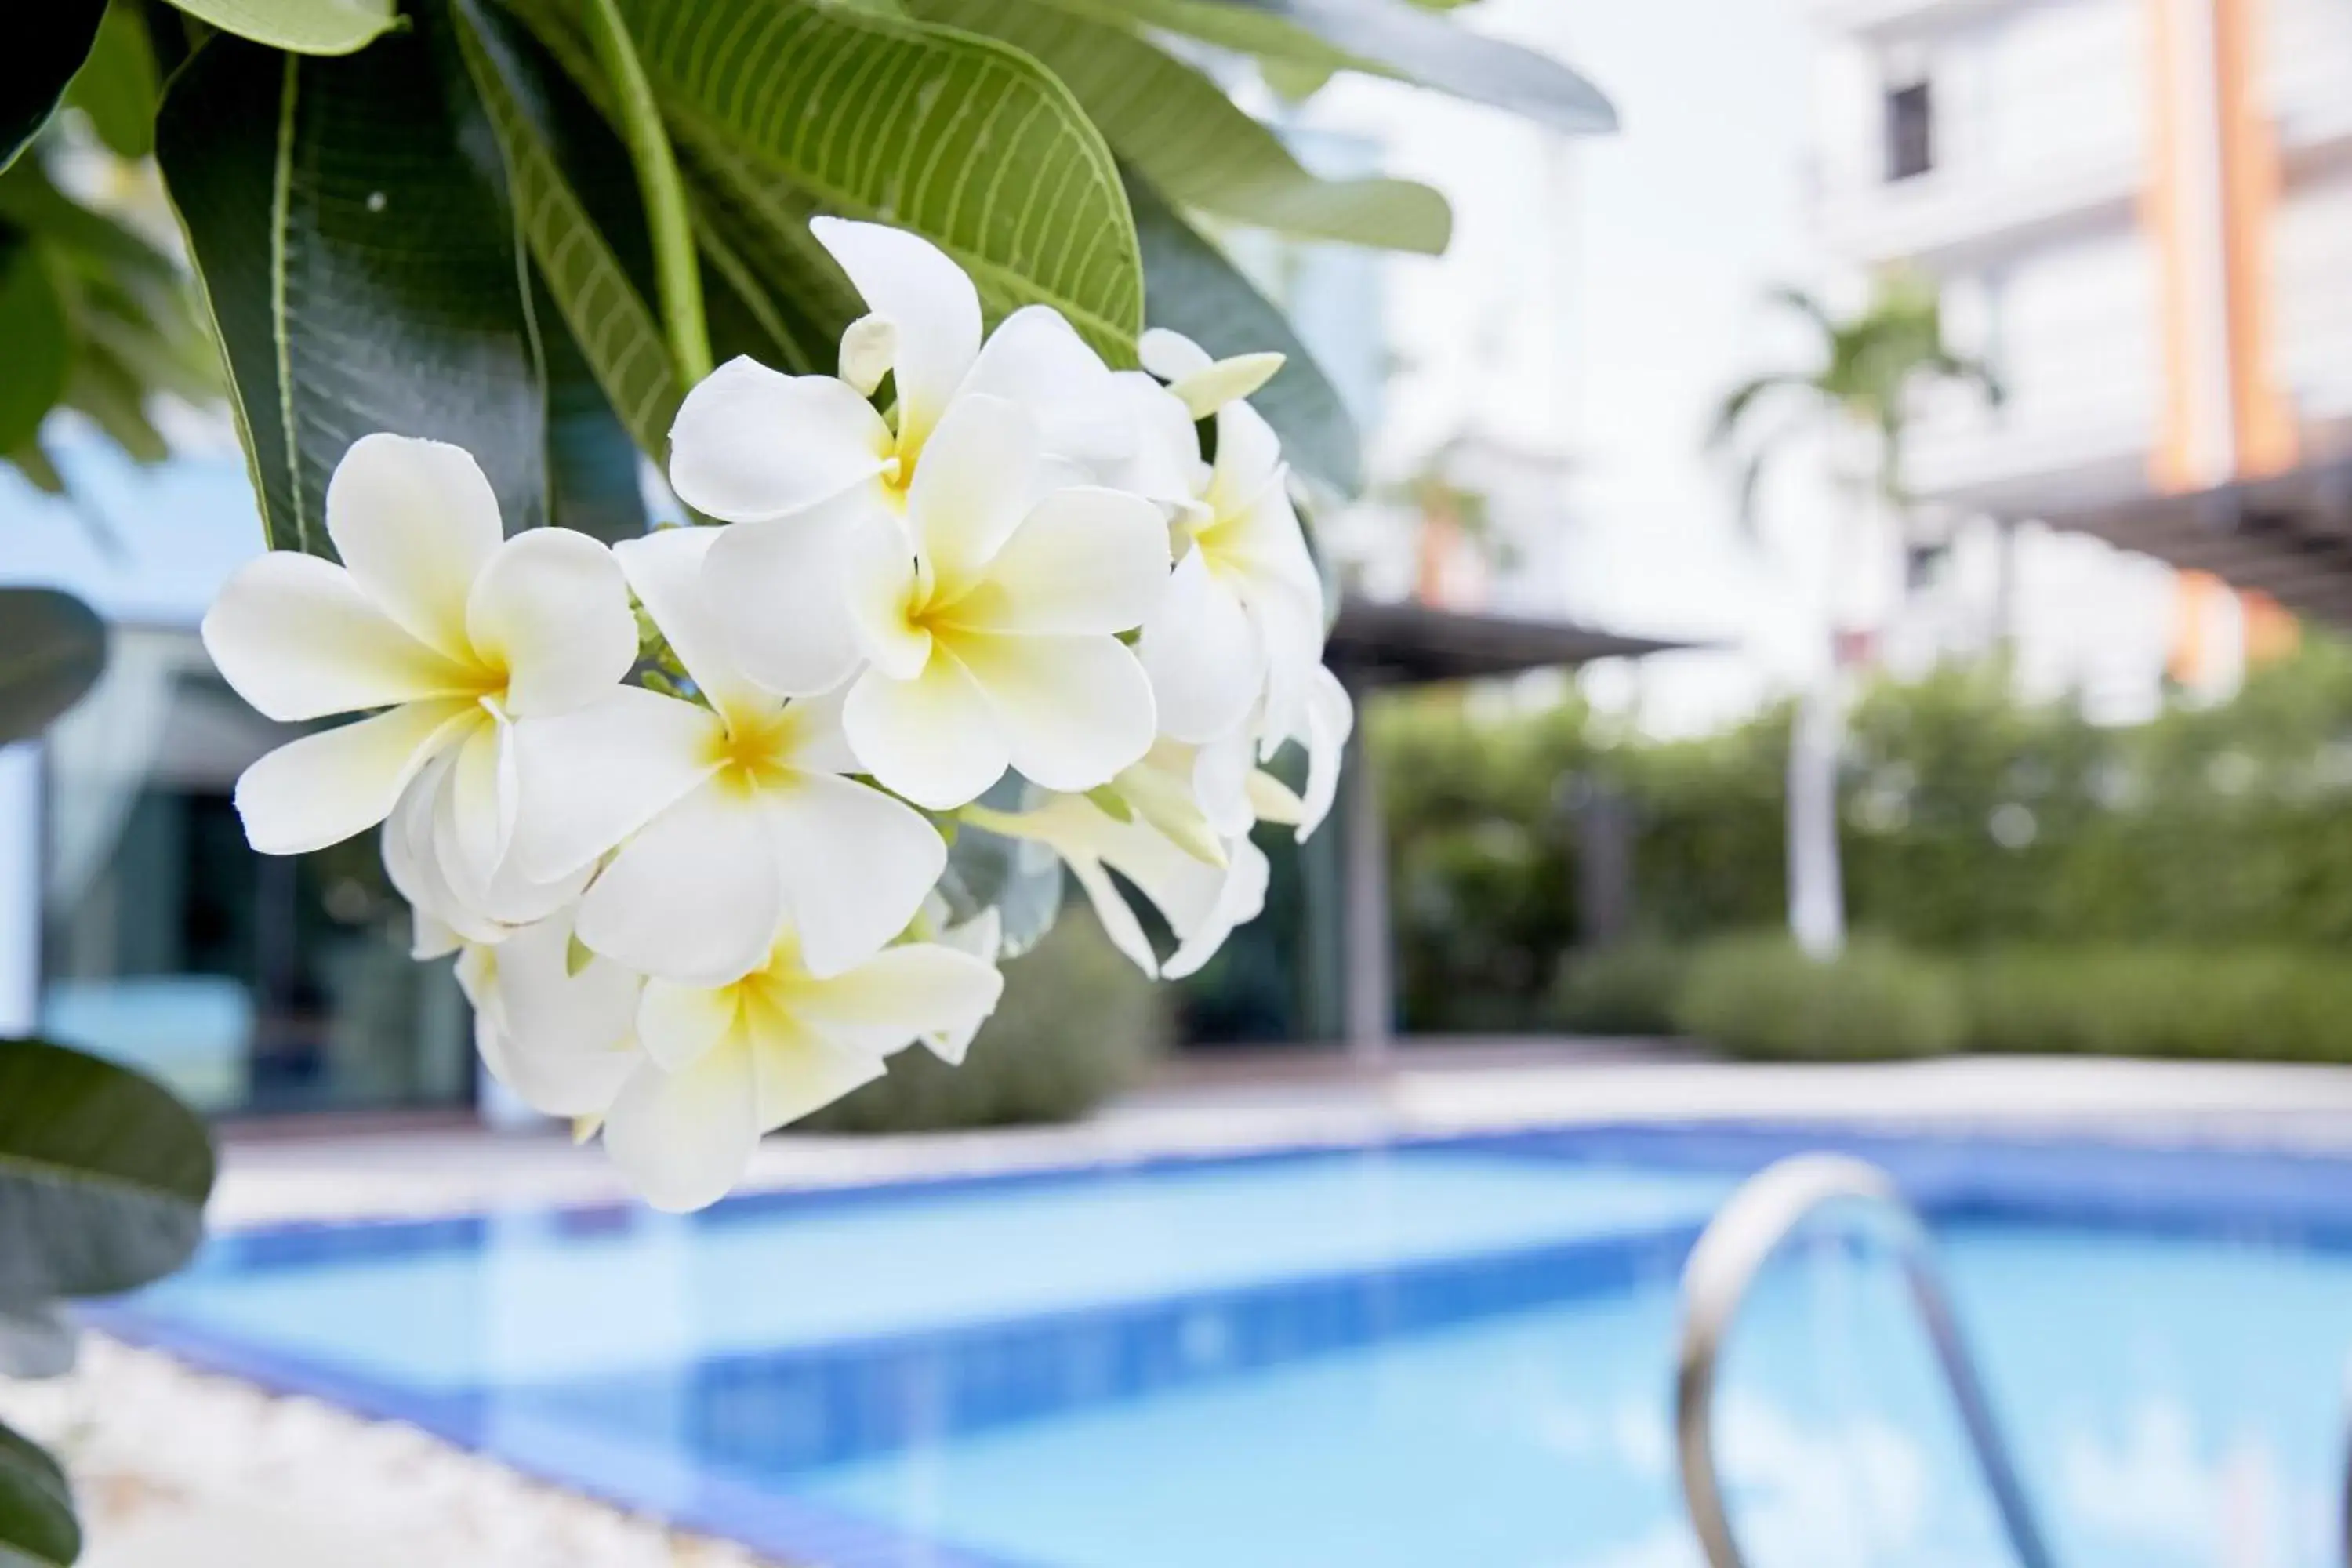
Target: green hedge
{"points": [[1758, 996], [1630, 989], [1077, 1024], [1968, 820]]}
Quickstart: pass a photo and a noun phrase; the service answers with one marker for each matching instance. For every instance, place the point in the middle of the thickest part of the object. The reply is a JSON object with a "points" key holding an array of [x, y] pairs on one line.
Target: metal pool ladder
{"points": [[1744, 1234]]}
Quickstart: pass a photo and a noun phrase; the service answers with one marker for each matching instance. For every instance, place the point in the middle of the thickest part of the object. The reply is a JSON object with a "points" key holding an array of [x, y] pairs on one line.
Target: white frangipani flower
{"points": [[726, 1063], [437, 619], [729, 818], [797, 462], [562, 1037], [987, 619], [981, 937], [1201, 900]]}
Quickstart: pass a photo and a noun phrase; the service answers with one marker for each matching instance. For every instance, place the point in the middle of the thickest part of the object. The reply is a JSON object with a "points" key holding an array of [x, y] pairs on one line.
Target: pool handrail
{"points": [[1744, 1234]]}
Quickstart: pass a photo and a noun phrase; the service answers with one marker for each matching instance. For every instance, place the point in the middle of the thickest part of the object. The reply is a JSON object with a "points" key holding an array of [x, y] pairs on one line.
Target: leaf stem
{"points": [[677, 273]]}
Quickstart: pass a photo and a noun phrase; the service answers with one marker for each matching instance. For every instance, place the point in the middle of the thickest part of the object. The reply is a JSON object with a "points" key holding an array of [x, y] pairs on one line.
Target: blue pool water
{"points": [[1454, 1354]]}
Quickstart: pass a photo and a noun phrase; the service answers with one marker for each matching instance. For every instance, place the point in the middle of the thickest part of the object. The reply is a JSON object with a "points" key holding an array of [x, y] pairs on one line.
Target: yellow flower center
{"points": [[755, 751]]}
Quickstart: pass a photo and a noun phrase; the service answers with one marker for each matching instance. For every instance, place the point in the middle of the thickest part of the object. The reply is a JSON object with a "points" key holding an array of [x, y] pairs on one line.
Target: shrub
{"points": [[1630, 989], [2262, 1003], [1760, 996], [1078, 1023]]}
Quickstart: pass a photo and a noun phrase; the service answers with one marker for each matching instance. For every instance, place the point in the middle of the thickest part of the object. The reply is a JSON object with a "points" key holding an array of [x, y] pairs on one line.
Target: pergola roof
{"points": [[2290, 536], [1407, 644]]}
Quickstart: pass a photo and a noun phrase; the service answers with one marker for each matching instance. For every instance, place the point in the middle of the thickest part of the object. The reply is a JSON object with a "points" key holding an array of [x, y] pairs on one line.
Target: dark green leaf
{"points": [[40, 59], [1196, 291], [36, 1516], [33, 327], [32, 461], [1176, 126], [117, 86], [303, 27], [962, 139], [103, 1175], [52, 647], [1387, 38], [37, 1343], [347, 223], [547, 131], [592, 460]]}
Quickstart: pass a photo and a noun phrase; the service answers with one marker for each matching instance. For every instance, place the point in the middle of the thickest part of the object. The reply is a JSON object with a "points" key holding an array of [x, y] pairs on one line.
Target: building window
{"points": [[1910, 141]]}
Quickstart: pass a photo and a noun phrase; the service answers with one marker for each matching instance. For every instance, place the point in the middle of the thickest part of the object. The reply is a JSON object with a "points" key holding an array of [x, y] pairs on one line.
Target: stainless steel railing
{"points": [[1741, 1238]]}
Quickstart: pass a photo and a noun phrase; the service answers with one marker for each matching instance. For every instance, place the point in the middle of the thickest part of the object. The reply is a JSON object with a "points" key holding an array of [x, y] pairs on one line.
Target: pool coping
{"points": [[2187, 1188]]}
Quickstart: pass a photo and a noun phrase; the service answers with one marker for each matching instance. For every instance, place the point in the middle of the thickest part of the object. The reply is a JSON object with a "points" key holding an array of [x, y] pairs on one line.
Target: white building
{"points": [[2140, 213]]}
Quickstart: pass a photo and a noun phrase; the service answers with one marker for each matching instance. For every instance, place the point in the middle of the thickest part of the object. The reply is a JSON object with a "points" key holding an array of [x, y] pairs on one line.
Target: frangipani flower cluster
{"points": [[681, 806]]}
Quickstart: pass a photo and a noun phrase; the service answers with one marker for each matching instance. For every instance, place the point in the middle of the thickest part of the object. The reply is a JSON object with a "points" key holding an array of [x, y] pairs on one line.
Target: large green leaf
{"points": [[36, 1517], [964, 140], [52, 648], [545, 129], [591, 458], [1196, 291], [103, 1175], [1386, 38], [40, 59], [117, 86], [304, 27], [347, 226], [1177, 127], [39, 349]]}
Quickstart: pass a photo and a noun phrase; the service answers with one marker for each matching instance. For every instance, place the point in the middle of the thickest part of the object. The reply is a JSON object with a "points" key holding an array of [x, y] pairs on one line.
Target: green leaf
{"points": [[52, 648], [103, 1175], [347, 226], [592, 460], [964, 140], [302, 27], [1196, 291], [36, 1516], [1177, 127], [37, 1343], [1385, 38], [117, 86], [33, 326], [40, 59], [545, 128]]}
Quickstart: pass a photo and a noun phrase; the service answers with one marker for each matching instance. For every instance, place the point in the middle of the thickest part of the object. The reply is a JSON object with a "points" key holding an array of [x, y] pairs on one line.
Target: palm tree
{"points": [[1859, 393]]}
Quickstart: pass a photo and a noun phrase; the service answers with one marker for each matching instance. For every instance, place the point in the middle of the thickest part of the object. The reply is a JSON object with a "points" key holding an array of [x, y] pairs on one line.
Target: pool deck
{"points": [[323, 1171], [180, 1470]]}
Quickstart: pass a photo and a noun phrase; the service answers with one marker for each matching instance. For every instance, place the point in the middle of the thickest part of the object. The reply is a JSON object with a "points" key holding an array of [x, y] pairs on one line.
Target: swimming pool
{"points": [[1449, 1351]]}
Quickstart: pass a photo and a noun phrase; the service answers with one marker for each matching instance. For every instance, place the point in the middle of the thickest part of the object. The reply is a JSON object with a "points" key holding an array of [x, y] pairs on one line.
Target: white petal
{"points": [[567, 1040], [1084, 561], [926, 297], [1221, 777], [898, 995], [868, 344], [684, 1138], [751, 443], [1291, 629], [475, 811], [415, 522], [1163, 462], [591, 777], [876, 584], [297, 639], [982, 937], [553, 610], [1037, 359], [977, 481], [816, 741], [1073, 710], [775, 587], [1170, 356], [1207, 390], [1330, 717], [932, 739], [431, 933], [1249, 459], [323, 788], [1203, 655], [797, 1071], [856, 865], [693, 896], [665, 569], [1241, 895], [1111, 912], [677, 1024]]}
